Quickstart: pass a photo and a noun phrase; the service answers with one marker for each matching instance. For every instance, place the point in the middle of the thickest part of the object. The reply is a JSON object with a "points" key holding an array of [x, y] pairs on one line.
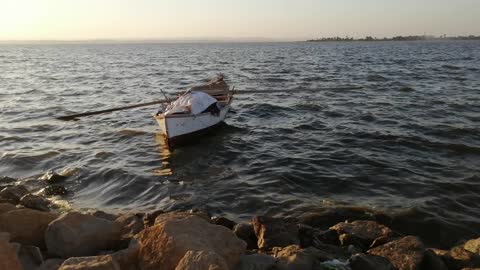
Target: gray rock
{"points": [[76, 234], [370, 262], [245, 232], [30, 257], [51, 264], [225, 222], [256, 262], [274, 232], [404, 253], [12, 194], [35, 202]]}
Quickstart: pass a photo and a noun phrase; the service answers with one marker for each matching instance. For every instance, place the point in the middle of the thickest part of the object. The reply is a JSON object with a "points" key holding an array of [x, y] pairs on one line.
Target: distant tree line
{"points": [[396, 38]]}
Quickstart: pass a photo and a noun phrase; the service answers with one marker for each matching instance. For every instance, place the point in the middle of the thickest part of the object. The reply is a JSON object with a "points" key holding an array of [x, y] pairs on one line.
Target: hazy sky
{"points": [[200, 19]]}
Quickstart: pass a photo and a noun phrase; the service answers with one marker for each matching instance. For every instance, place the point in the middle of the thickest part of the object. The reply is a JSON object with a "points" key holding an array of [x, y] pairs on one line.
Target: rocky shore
{"points": [[34, 234]]}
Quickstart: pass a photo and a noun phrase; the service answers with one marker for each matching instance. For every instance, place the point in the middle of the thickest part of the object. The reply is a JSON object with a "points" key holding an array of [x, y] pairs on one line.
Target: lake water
{"points": [[407, 142]]}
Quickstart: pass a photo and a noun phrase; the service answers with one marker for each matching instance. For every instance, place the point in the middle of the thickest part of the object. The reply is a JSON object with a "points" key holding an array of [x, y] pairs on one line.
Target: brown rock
{"points": [[174, 234], [295, 258], [105, 262], [473, 246], [458, 258], [405, 254], [274, 232], [363, 231], [8, 257], [149, 218], [104, 215], [77, 234], [128, 258], [245, 232], [131, 225], [35, 202], [26, 226], [196, 260], [5, 207], [369, 262], [12, 194]]}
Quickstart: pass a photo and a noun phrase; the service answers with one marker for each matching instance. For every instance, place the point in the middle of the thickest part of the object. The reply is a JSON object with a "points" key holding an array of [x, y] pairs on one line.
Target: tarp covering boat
{"points": [[192, 102]]}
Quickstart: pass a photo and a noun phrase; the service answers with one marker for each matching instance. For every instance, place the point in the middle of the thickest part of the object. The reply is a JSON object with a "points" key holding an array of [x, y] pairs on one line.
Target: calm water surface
{"points": [[408, 142]]}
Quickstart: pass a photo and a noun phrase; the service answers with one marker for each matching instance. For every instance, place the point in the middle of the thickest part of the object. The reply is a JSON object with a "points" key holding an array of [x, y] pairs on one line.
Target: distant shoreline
{"points": [[396, 38]]}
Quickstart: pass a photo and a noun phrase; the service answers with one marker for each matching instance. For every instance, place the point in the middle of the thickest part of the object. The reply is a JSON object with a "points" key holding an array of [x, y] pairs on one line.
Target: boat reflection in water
{"points": [[165, 155]]}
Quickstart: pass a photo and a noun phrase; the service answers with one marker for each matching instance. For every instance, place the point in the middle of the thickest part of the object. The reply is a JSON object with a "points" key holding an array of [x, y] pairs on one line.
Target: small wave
{"points": [[132, 132], [451, 67], [376, 78], [406, 89]]}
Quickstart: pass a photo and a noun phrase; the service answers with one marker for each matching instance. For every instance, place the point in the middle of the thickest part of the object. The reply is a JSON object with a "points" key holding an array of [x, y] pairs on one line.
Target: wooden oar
{"points": [[75, 116], [237, 92]]}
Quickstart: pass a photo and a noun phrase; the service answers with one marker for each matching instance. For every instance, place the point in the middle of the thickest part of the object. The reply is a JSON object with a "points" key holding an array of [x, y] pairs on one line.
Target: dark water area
{"points": [[407, 144]]}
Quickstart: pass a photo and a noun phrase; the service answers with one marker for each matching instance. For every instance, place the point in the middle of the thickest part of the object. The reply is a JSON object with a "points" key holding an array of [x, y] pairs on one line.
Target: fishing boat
{"points": [[197, 111]]}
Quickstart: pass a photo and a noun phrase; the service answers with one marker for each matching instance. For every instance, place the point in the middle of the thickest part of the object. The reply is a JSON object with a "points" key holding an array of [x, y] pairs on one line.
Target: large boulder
{"points": [[26, 226], [8, 257], [274, 232], [369, 262], [35, 202], [12, 194], [405, 253], [76, 234], [208, 260], [105, 262], [363, 232], [166, 243], [5, 207]]}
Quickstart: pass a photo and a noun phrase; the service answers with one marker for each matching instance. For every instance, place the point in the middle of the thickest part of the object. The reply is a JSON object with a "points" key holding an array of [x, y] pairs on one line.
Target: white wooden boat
{"points": [[180, 126]]}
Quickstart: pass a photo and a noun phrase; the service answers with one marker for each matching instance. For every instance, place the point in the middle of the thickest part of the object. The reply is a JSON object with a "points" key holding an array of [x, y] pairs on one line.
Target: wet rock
{"points": [[35, 202], [361, 232], [256, 262], [382, 240], [26, 226], [174, 234], [12, 194], [8, 257], [55, 190], [225, 222], [209, 260], [77, 234], [473, 246], [328, 217], [458, 258], [104, 215], [245, 232], [131, 225], [7, 180], [105, 262], [30, 257], [149, 218], [404, 253], [326, 252], [370, 262], [5, 207], [432, 261], [274, 232], [293, 257], [52, 177], [51, 264]]}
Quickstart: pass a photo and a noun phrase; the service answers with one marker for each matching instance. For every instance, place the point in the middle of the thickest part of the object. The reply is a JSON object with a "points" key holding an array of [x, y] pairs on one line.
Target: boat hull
{"points": [[179, 128]]}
